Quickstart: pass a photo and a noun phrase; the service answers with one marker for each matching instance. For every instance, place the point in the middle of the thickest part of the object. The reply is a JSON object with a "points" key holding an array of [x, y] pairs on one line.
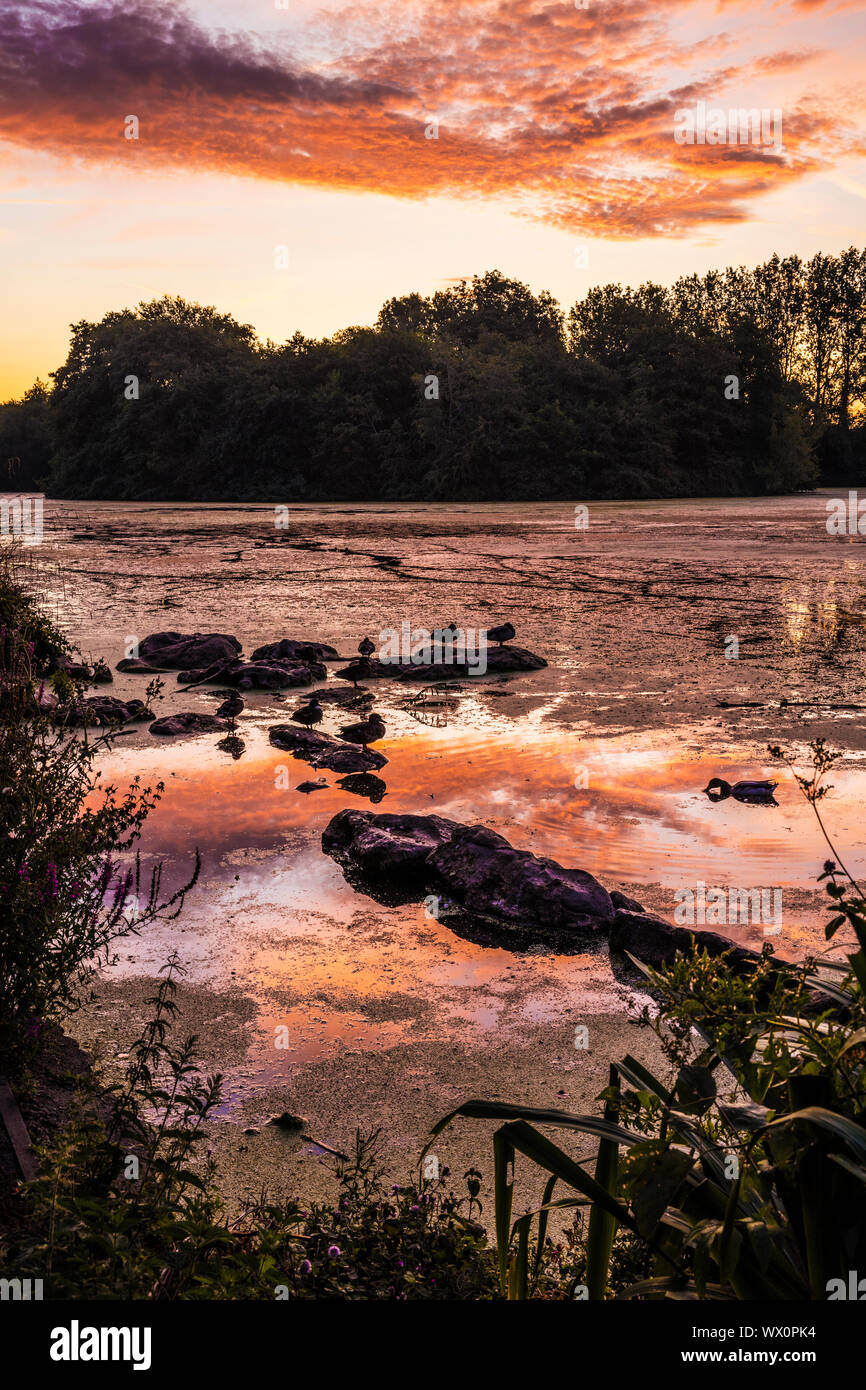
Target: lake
{"points": [[672, 631]]}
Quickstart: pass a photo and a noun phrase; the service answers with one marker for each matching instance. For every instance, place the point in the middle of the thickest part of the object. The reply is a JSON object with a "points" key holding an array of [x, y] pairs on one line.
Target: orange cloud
{"points": [[558, 111]]}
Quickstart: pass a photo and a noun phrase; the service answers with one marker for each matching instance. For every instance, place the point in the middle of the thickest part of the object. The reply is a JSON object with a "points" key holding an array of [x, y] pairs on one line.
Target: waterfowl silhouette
{"points": [[231, 708], [309, 714], [366, 647], [368, 731], [758, 793], [356, 671], [500, 634]]}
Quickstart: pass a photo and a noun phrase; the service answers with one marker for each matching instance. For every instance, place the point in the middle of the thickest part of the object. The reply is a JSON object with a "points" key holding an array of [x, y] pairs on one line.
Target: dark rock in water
{"points": [[189, 723], [487, 877], [656, 942], [296, 651], [319, 750], [294, 1123], [515, 896], [630, 904], [394, 849], [178, 651], [365, 784], [498, 659], [257, 675], [75, 670], [136, 665], [345, 695], [101, 710], [307, 787]]}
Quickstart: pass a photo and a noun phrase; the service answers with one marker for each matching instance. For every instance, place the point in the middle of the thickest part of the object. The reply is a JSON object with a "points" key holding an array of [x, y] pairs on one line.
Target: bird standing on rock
{"points": [[368, 731], [231, 708], [356, 671], [310, 713], [500, 634], [366, 647]]}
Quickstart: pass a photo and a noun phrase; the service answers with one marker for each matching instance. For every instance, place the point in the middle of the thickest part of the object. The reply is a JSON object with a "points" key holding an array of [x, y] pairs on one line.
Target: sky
{"points": [[400, 146]]}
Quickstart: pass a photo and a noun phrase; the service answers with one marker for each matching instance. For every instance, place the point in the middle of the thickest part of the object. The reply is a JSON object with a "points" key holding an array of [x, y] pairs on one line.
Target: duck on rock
{"points": [[369, 730], [500, 634]]}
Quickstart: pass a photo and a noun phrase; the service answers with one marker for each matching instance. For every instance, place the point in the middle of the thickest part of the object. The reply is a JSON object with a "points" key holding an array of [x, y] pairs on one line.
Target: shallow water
{"points": [[597, 760]]}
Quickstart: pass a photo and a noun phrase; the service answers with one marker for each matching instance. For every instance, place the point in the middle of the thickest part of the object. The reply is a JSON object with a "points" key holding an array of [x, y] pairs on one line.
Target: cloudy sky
{"points": [[308, 127]]}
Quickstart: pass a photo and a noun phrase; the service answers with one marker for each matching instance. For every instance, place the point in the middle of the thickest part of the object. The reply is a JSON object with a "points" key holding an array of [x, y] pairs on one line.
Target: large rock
{"points": [[295, 651], [657, 942], [273, 675], [480, 871], [320, 750], [498, 660], [188, 723], [257, 675], [102, 710], [178, 651], [390, 848], [476, 870]]}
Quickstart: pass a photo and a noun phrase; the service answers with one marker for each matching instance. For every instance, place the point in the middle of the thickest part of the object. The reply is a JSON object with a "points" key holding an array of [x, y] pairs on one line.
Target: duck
{"points": [[759, 790], [231, 708], [369, 730], [310, 713], [356, 671], [366, 647], [501, 634]]}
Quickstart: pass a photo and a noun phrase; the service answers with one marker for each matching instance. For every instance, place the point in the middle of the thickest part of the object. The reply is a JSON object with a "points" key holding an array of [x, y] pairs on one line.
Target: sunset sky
{"points": [[262, 126]]}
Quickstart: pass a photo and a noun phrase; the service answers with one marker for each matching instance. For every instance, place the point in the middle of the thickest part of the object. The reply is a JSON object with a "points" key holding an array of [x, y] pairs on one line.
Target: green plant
{"points": [[71, 883]]}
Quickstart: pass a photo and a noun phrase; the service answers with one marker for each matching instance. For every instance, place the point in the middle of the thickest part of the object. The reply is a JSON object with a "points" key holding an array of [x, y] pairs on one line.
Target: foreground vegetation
{"points": [[737, 382]]}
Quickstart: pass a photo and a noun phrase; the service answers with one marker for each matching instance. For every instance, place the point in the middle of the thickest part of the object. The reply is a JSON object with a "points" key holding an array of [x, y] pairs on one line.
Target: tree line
{"points": [[735, 382]]}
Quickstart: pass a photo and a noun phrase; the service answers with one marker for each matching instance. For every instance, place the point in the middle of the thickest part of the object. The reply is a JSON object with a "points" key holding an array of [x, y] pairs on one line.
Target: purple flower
{"points": [[334, 1252], [305, 1267]]}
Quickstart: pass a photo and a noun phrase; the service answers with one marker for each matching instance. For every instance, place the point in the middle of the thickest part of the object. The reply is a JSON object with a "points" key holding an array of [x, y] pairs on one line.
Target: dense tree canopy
{"points": [[735, 382]]}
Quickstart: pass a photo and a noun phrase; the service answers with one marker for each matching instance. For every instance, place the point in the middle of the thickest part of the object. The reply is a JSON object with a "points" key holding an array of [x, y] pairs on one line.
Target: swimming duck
{"points": [[500, 634], [368, 731], [760, 791]]}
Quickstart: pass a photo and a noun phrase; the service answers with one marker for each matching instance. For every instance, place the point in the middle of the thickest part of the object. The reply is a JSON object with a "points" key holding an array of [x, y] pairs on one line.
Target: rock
{"points": [[320, 750], [178, 651], [296, 651], [344, 695], [498, 659], [136, 665], [630, 904], [481, 872], [102, 709], [394, 848], [288, 1121], [308, 787], [251, 1130], [188, 723], [258, 675], [656, 942]]}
